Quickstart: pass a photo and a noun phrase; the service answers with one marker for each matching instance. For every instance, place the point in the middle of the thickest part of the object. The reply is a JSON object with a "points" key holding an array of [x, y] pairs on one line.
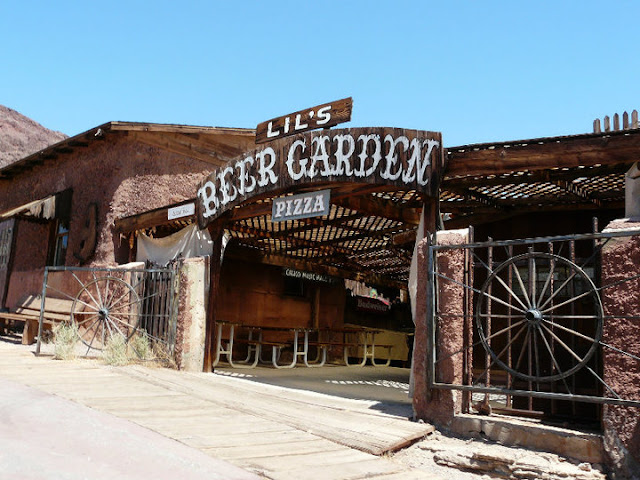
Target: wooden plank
{"points": [[321, 116], [268, 448], [150, 219], [542, 154]]}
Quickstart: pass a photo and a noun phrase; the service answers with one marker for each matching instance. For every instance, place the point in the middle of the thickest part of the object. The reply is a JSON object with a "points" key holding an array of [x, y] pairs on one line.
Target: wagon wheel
{"points": [[539, 317], [103, 308]]}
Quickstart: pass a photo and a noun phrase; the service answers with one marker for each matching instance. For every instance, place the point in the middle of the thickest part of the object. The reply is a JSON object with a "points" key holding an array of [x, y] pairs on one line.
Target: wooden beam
{"points": [[189, 129], [180, 144], [577, 191], [479, 197], [346, 197], [252, 255], [486, 216], [216, 231], [371, 206], [150, 219], [533, 177], [541, 154], [295, 243]]}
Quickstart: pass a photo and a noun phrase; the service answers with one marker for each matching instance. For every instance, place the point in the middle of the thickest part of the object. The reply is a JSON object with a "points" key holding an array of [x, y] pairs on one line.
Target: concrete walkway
{"points": [[263, 429]]}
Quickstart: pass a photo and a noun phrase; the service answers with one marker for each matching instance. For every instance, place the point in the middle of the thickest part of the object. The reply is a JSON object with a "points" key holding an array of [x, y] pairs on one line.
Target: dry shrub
{"points": [[65, 340], [141, 346], [115, 351]]}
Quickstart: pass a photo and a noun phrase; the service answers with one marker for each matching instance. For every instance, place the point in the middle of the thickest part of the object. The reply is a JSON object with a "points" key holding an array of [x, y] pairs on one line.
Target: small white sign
{"points": [[305, 205], [182, 211]]}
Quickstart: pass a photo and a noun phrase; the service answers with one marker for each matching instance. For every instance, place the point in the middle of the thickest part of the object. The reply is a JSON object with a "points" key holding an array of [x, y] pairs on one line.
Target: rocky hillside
{"points": [[20, 136]]}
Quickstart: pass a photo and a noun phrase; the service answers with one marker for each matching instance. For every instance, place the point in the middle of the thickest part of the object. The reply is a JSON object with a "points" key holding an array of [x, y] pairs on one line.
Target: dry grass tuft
{"points": [[65, 340]]}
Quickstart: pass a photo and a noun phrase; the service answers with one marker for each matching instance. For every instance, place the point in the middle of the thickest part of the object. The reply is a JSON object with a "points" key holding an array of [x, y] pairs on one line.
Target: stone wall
{"points": [[621, 262], [192, 302], [436, 405]]}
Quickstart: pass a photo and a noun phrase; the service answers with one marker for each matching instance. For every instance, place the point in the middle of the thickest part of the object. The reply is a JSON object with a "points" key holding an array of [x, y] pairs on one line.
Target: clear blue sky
{"points": [[478, 71]]}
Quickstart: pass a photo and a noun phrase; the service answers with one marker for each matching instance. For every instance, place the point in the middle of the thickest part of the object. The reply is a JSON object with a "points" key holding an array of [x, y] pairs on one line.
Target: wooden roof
{"points": [[370, 230], [209, 144], [489, 182]]}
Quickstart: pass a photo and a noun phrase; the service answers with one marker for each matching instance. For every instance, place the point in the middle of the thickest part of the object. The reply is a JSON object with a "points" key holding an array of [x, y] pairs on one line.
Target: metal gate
{"points": [[542, 320], [103, 302]]}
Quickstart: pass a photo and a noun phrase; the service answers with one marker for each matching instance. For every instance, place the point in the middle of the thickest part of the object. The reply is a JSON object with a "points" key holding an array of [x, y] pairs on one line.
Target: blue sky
{"points": [[477, 71]]}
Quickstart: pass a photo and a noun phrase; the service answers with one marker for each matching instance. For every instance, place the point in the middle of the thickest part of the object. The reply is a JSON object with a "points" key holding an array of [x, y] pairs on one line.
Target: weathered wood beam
{"points": [[376, 207], [187, 129], [404, 238], [534, 177], [148, 219], [480, 217], [252, 255], [577, 191], [180, 144], [346, 197], [541, 154], [295, 243], [478, 197]]}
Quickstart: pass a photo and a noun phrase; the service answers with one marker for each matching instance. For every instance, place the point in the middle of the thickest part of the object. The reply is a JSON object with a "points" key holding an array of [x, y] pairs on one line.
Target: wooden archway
{"points": [[381, 181]]}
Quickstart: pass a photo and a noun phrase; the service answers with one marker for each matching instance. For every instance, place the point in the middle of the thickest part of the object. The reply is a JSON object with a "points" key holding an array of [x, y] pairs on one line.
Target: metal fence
{"points": [[542, 318], [105, 302]]}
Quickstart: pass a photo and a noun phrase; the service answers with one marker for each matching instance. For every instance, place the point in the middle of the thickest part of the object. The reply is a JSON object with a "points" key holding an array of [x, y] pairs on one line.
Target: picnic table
{"points": [[260, 337]]}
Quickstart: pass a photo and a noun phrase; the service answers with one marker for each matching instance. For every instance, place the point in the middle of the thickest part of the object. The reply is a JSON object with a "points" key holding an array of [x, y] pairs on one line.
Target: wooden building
{"points": [[351, 202]]}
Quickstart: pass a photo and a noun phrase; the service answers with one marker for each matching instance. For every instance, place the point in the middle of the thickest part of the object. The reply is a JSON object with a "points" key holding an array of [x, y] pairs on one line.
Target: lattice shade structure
{"points": [[348, 242], [490, 182]]}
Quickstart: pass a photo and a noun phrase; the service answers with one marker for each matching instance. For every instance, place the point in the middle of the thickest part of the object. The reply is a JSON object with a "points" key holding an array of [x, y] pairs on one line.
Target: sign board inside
{"points": [[304, 205], [321, 116], [372, 305], [311, 276], [181, 211]]}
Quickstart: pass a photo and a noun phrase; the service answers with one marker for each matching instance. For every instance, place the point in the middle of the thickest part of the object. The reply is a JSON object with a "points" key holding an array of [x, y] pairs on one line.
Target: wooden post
{"points": [[216, 231], [423, 350], [315, 308]]}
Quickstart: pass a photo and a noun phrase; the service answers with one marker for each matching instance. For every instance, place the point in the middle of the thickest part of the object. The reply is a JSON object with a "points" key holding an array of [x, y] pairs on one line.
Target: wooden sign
{"points": [[406, 159], [321, 116], [304, 205]]}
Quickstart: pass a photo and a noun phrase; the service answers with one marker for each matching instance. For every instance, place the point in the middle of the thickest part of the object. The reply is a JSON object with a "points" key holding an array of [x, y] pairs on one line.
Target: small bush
{"points": [[65, 340], [141, 346], [115, 351]]}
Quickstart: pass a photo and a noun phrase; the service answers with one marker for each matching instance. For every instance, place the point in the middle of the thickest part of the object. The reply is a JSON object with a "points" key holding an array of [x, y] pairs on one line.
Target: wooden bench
{"points": [[56, 311]]}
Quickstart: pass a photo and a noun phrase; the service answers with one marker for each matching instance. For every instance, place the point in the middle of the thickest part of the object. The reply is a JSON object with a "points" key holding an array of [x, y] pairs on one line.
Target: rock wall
{"points": [[190, 332], [437, 405], [620, 263]]}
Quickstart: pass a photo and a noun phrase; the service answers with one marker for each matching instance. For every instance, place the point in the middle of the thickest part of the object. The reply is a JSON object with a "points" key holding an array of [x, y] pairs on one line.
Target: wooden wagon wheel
{"points": [[539, 316], [104, 308]]}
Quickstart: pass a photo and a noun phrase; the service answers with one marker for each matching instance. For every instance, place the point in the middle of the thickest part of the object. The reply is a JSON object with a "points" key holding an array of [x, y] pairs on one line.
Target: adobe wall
{"points": [[621, 261], [29, 249], [436, 405], [122, 176]]}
